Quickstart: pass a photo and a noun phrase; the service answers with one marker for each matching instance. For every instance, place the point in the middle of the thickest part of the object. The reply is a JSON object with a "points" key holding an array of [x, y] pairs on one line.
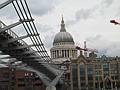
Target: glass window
{"points": [[89, 66], [90, 78], [111, 65], [96, 72], [82, 78], [96, 78], [116, 77], [112, 72], [115, 71], [6, 75], [100, 78], [105, 72], [112, 77], [82, 72], [90, 72], [82, 66], [82, 84], [105, 66], [100, 72], [95, 66], [115, 65], [98, 66]]}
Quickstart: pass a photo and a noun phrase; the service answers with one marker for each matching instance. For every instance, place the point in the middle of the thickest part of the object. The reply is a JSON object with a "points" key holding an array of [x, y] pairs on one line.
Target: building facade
{"points": [[90, 73], [16, 79], [63, 46]]}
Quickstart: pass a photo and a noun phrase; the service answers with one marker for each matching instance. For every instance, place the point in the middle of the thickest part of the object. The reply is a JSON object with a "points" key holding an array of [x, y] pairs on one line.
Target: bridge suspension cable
{"points": [[23, 12]]}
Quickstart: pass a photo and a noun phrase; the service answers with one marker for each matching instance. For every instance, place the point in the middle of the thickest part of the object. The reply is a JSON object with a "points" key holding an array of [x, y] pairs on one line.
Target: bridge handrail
{"points": [[14, 35], [10, 32]]}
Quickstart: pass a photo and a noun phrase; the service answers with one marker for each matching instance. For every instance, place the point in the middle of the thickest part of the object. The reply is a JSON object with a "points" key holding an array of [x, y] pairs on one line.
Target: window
{"points": [[21, 85], [96, 72], [100, 78], [82, 72], [96, 78], [95, 66], [116, 77], [4, 87], [82, 84], [6, 75], [100, 72], [89, 66], [21, 79], [112, 72], [115, 65], [116, 72], [90, 78], [90, 72], [82, 66], [98, 66], [105, 66], [111, 65], [82, 78], [105, 72], [112, 77]]}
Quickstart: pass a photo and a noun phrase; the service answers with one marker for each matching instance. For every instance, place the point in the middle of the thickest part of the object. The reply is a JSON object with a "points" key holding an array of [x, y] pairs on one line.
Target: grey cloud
{"points": [[81, 14], [37, 7], [103, 46], [48, 40], [106, 3], [41, 7], [8, 12], [92, 39], [47, 35], [99, 9], [118, 12], [44, 28]]}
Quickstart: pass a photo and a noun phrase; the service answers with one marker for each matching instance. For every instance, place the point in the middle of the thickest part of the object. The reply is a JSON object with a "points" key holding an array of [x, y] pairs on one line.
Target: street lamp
{"points": [[115, 22]]}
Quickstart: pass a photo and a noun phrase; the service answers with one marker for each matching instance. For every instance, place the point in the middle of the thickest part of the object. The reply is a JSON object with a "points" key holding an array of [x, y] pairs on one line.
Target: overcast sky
{"points": [[85, 20]]}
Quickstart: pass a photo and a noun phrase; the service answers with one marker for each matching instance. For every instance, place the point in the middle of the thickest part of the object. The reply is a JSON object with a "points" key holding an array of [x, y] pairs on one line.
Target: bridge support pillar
{"points": [[51, 88]]}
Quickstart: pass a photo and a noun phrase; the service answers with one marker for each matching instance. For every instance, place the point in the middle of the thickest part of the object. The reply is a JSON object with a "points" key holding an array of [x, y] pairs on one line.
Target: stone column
{"points": [[115, 85], [86, 78], [104, 85], [66, 53], [52, 54], [99, 85], [56, 53], [78, 66], [112, 85]]}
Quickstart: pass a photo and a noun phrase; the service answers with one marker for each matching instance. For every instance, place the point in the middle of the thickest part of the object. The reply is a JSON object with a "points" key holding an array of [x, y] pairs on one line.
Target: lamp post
{"points": [[114, 22]]}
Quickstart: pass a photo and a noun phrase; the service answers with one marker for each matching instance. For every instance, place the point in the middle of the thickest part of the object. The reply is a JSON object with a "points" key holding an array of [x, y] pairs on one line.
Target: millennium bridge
{"points": [[33, 55]]}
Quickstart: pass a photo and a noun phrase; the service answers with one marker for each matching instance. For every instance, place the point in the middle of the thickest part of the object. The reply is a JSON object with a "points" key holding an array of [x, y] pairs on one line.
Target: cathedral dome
{"points": [[63, 35]]}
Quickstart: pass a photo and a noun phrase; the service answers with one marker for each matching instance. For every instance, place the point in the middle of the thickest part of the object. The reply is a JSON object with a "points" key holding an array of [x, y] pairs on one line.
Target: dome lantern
{"points": [[62, 26]]}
